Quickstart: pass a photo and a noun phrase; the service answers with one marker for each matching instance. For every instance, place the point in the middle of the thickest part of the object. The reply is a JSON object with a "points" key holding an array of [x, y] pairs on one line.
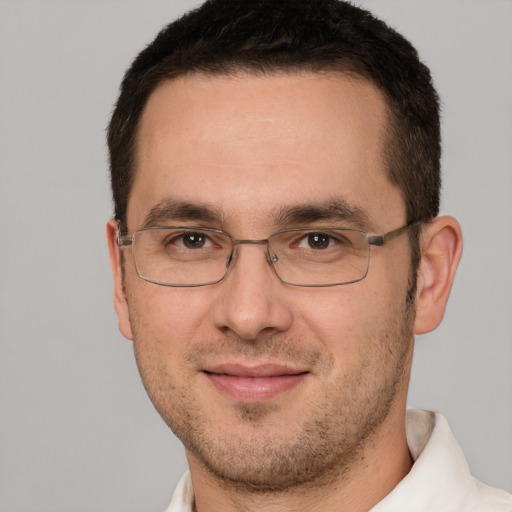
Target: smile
{"points": [[254, 384]]}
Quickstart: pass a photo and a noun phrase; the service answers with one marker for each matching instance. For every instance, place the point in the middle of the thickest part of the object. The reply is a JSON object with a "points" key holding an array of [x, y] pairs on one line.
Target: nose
{"points": [[252, 298]]}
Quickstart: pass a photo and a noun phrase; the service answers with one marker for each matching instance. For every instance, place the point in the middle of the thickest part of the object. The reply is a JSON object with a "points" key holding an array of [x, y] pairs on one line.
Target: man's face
{"points": [[269, 384]]}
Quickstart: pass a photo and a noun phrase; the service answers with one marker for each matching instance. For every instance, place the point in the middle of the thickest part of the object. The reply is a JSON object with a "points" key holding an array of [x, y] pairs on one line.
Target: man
{"points": [[276, 247]]}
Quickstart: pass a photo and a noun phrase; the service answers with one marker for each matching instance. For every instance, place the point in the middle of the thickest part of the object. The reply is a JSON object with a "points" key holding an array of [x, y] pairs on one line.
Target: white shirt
{"points": [[439, 480]]}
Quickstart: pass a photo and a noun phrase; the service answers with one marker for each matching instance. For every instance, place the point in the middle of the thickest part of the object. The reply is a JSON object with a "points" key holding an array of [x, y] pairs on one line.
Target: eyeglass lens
{"points": [[307, 257]]}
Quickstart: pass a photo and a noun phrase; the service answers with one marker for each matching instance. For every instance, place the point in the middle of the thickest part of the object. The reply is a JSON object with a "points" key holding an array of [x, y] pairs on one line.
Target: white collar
{"points": [[440, 480]]}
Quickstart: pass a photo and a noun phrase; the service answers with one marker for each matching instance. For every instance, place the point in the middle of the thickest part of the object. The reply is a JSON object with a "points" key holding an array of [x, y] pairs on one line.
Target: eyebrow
{"points": [[333, 210], [172, 210]]}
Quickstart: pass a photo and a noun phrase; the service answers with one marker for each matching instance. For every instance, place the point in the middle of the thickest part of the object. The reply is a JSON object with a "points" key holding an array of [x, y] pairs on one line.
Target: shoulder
{"points": [[485, 498]]}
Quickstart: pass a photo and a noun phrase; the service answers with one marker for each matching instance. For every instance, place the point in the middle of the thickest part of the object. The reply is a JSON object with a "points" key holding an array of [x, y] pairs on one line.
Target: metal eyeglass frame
{"points": [[376, 240]]}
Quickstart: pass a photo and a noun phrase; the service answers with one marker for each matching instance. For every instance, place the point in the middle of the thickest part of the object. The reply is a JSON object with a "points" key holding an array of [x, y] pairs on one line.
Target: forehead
{"points": [[249, 145]]}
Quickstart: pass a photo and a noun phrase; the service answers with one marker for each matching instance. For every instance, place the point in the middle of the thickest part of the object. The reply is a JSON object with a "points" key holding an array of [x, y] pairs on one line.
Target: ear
{"points": [[120, 302], [441, 249]]}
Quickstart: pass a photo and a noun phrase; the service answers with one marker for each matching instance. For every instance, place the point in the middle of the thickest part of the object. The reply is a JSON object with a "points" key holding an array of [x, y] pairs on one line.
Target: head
{"points": [[252, 117]]}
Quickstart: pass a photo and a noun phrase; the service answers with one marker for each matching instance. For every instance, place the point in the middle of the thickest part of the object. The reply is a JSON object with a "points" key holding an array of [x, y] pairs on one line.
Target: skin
{"points": [[247, 147]]}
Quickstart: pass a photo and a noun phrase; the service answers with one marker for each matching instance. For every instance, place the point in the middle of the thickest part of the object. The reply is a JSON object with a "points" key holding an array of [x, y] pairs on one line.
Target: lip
{"points": [[251, 384]]}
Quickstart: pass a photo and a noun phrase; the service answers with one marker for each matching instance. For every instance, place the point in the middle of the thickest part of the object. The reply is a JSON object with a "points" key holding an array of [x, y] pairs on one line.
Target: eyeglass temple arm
{"points": [[124, 242], [379, 240]]}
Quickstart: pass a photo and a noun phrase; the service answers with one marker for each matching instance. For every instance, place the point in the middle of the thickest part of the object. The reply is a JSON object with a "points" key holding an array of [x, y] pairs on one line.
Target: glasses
{"points": [[195, 256]]}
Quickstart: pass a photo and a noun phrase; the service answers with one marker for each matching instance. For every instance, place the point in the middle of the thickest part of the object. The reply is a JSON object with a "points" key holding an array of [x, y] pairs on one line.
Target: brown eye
{"points": [[318, 241], [194, 240]]}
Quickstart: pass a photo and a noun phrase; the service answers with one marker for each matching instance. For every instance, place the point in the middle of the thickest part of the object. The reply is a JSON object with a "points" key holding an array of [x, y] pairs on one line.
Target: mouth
{"points": [[252, 384]]}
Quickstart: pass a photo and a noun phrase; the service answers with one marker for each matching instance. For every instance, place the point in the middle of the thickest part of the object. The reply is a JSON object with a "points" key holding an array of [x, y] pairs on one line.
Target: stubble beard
{"points": [[259, 459]]}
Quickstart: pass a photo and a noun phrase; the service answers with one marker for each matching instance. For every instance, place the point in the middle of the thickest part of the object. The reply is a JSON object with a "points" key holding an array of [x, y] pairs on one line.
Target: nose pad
{"points": [[231, 259]]}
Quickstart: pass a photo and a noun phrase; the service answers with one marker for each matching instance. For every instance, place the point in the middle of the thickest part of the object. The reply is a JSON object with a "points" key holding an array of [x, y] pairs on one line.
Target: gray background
{"points": [[77, 432]]}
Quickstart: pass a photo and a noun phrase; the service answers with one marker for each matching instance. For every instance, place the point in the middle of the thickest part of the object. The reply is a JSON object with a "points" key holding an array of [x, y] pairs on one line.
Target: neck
{"points": [[380, 465]]}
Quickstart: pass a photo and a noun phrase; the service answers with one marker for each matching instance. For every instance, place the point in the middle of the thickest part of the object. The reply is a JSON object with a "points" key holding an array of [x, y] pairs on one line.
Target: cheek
{"points": [[348, 319], [335, 319], [339, 312], [165, 319]]}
